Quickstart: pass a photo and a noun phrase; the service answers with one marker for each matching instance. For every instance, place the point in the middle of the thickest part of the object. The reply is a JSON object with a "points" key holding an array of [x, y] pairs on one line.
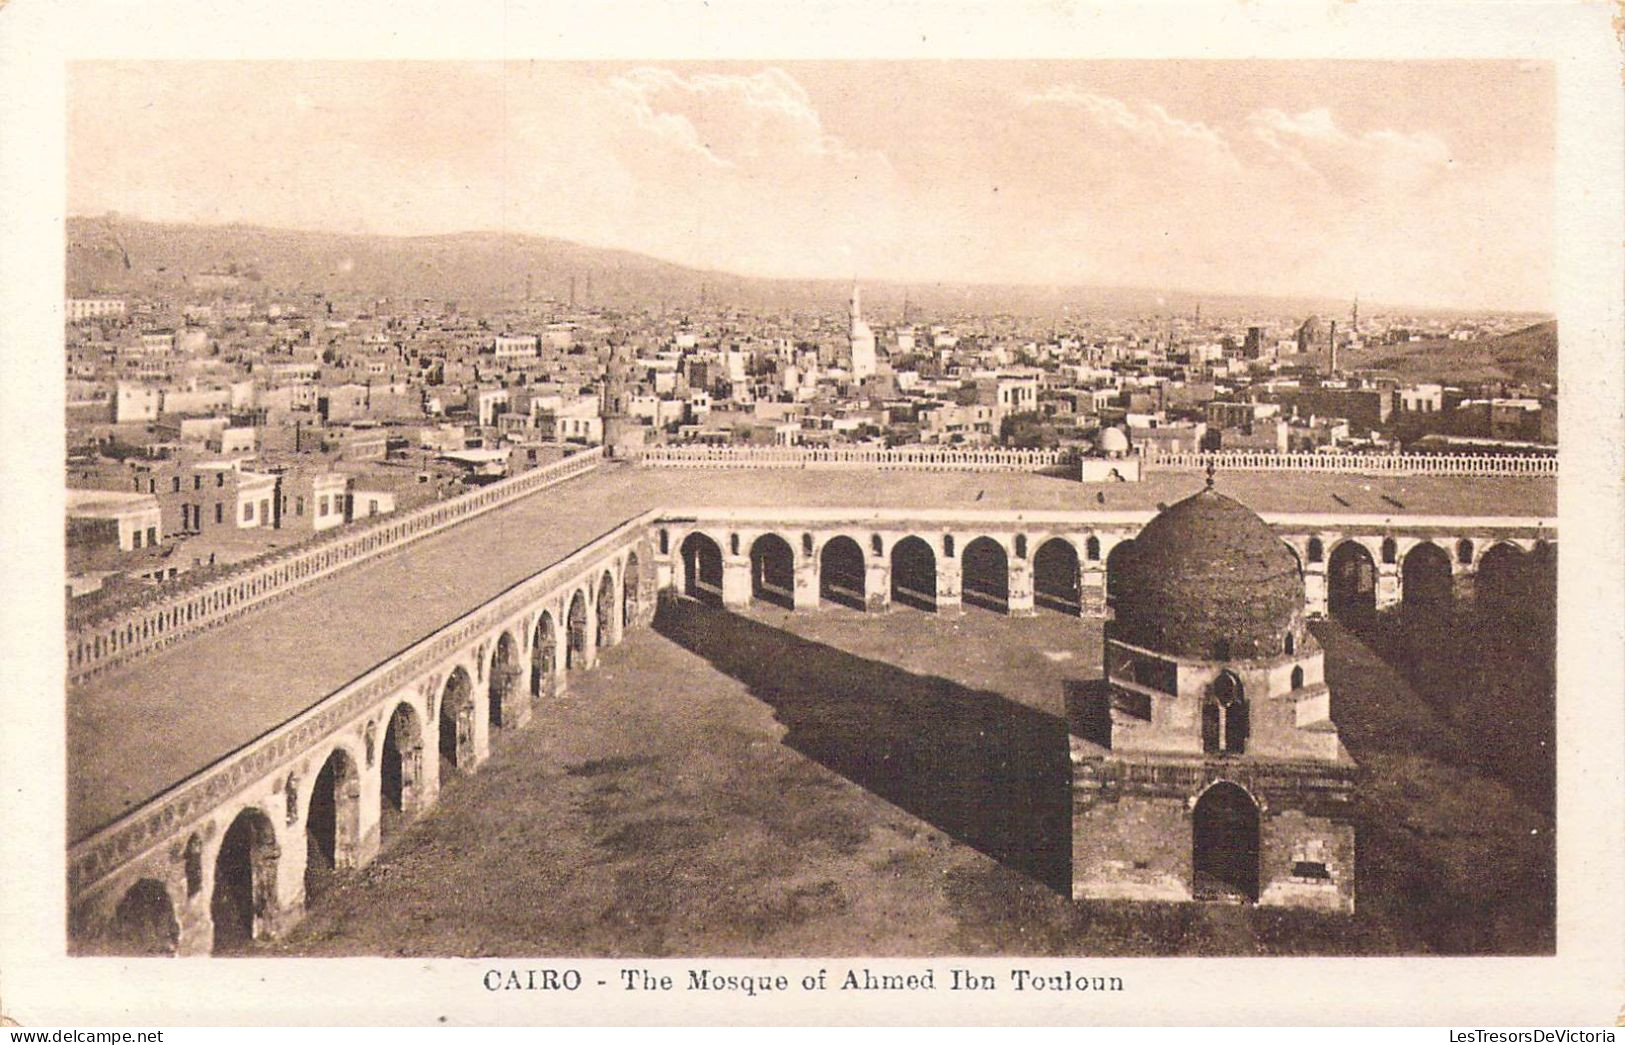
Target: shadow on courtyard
{"points": [[985, 770]]}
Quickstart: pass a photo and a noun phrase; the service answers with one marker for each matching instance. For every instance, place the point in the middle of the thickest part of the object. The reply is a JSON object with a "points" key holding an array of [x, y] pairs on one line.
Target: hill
{"points": [[116, 255], [1527, 356]]}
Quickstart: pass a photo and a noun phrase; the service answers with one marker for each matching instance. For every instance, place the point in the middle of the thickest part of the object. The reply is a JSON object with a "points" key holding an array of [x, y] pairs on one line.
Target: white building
{"points": [[81, 309], [514, 346], [863, 341], [137, 515]]}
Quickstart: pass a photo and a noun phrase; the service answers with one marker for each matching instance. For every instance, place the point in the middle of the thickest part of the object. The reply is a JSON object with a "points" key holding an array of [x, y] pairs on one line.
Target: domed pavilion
{"points": [[1208, 767]]}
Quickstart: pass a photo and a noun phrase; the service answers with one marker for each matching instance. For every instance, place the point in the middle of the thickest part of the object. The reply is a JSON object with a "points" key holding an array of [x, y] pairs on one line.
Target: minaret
{"points": [[1334, 347], [1354, 318], [862, 338], [623, 436]]}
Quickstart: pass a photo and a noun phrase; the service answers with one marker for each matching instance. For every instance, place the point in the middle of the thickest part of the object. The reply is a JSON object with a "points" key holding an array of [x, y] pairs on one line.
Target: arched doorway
{"points": [[457, 724], [1425, 577], [985, 575], [772, 571], [631, 591], [244, 897], [332, 821], [1224, 716], [1352, 584], [841, 573], [144, 922], [1501, 582], [575, 634], [503, 693], [1055, 577], [544, 654], [1224, 848], [702, 568], [1116, 562], [400, 769], [914, 574]]}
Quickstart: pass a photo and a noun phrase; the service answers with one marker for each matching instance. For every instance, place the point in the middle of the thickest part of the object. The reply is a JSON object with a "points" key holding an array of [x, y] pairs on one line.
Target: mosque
{"points": [[1206, 766]]}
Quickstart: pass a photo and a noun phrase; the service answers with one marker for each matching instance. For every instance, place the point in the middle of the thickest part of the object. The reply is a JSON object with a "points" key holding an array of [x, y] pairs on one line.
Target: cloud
{"points": [[1146, 123]]}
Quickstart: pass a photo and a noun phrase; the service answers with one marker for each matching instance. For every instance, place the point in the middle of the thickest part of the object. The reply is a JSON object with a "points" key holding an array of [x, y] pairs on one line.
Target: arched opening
{"points": [[631, 591], [1464, 552], [1116, 561], [1297, 678], [144, 922], [457, 724], [244, 897], [605, 635], [575, 633], [400, 769], [1224, 717], [702, 568], [914, 574], [503, 692], [1055, 577], [1290, 642], [332, 821], [985, 575], [1501, 581], [841, 573], [1317, 550], [544, 655], [1425, 577], [1224, 844], [772, 571], [1390, 551], [1091, 548], [1352, 584]]}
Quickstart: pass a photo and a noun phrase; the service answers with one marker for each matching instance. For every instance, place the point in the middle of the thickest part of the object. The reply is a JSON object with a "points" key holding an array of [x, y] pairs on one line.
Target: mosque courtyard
{"points": [[794, 784]]}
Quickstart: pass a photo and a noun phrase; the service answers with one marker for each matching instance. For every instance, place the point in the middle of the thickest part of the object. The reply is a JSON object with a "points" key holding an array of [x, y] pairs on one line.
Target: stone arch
{"points": [[1351, 581], [1297, 557], [457, 723], [914, 574], [605, 617], [1224, 716], [400, 770], [243, 904], [144, 922], [575, 632], [332, 820], [1425, 576], [772, 571], [1501, 575], [544, 655], [503, 705], [1224, 843], [985, 575], [631, 590], [702, 568], [842, 572], [1116, 560], [1056, 582]]}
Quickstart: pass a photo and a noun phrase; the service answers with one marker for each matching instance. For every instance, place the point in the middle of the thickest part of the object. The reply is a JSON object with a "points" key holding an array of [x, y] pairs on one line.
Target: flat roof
{"points": [[145, 726]]}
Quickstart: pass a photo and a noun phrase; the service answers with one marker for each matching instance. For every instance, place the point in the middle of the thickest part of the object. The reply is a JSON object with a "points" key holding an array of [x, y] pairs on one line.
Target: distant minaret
{"points": [[1354, 318], [863, 339], [1334, 347], [623, 436]]}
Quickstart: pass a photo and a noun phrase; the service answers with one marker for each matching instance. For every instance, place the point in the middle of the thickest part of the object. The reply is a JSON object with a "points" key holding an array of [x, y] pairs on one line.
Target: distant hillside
{"points": [[1527, 356], [116, 255]]}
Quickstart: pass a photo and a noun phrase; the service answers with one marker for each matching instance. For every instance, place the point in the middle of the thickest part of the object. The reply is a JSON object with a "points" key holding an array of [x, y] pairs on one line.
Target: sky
{"points": [[1424, 183]]}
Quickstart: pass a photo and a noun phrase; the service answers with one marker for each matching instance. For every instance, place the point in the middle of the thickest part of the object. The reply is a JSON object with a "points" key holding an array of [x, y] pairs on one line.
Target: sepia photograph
{"points": [[533, 510]]}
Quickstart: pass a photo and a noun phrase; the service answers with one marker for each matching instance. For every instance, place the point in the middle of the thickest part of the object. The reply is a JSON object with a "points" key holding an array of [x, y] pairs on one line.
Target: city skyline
{"points": [[1281, 179]]}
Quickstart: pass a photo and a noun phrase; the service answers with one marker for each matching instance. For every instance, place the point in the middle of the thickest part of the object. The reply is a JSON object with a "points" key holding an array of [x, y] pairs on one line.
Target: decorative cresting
{"points": [[866, 458], [157, 820], [1207, 573], [101, 644], [1531, 465]]}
